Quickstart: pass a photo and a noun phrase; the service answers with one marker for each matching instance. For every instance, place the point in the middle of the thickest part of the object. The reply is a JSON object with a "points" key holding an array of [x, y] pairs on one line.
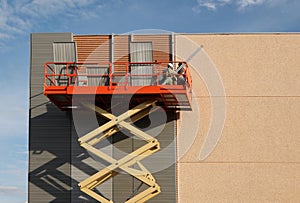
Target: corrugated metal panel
{"points": [[56, 161], [49, 131], [93, 48], [125, 185], [83, 163], [121, 52], [96, 80], [161, 45], [64, 51], [165, 178], [122, 183], [141, 52]]}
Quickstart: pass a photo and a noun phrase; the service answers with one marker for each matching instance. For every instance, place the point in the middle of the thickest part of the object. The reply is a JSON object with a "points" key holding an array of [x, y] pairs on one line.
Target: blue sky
{"points": [[19, 18]]}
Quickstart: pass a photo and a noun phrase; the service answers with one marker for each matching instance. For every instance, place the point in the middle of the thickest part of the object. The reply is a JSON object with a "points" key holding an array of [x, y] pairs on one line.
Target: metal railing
{"points": [[100, 74]]}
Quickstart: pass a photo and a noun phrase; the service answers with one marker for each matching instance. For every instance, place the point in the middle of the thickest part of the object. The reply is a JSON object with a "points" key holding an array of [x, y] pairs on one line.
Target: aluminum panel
{"points": [[141, 52], [49, 131]]}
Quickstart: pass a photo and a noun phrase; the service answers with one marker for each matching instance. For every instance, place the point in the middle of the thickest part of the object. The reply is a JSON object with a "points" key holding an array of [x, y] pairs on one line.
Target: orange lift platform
{"points": [[143, 85], [63, 80]]}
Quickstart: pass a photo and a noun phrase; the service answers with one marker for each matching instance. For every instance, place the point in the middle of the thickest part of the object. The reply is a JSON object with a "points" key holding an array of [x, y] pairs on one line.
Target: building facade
{"points": [[256, 157]]}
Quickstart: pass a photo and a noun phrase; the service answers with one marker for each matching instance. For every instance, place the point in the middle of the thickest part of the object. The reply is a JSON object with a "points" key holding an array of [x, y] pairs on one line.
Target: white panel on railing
{"points": [[63, 52], [141, 52]]}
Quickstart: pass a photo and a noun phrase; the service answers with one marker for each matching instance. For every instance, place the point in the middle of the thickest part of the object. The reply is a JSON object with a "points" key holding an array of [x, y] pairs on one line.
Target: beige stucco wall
{"points": [[257, 158]]}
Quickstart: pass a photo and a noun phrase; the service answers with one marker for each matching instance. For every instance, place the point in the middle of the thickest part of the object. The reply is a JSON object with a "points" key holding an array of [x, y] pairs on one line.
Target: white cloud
{"points": [[5, 36], [45, 8], [210, 4], [10, 190], [240, 4], [246, 3], [17, 17], [9, 22]]}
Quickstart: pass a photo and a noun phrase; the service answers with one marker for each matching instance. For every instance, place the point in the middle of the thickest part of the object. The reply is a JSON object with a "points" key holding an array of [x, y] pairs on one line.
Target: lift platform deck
{"points": [[137, 82]]}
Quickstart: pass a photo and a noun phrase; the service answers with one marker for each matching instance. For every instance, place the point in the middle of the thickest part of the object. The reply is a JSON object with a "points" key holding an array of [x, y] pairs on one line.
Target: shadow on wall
{"points": [[54, 151], [50, 158]]}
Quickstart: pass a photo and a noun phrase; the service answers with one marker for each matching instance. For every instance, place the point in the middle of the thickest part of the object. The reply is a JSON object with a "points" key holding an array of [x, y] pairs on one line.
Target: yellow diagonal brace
{"points": [[140, 175], [98, 131], [107, 134], [148, 149], [115, 129], [99, 110], [96, 196], [124, 163], [110, 116], [115, 120], [99, 153], [133, 129], [144, 175], [90, 181], [136, 109], [137, 132], [133, 155], [106, 176], [149, 175], [145, 195]]}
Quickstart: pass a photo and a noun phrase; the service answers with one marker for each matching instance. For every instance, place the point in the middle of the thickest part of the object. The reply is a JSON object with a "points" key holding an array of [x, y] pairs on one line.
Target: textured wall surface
{"points": [[257, 158], [49, 131]]}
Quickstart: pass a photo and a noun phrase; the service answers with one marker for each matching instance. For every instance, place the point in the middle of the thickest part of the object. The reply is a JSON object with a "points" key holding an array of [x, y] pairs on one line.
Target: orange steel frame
{"points": [[122, 88], [158, 67]]}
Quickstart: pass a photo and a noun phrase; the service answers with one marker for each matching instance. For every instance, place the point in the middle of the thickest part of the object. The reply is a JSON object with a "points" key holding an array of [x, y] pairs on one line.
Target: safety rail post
{"points": [[188, 77], [67, 73], [127, 74], [53, 74], [48, 75], [155, 74], [160, 70], [75, 76], [45, 76], [110, 75]]}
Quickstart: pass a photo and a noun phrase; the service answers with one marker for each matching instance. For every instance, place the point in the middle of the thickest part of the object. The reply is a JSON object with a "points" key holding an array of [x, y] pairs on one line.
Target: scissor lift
{"points": [[61, 87]]}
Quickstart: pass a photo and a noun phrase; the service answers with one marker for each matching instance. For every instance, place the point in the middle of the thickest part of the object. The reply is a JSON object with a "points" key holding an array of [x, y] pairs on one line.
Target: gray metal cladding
{"points": [[122, 186], [165, 174], [49, 131], [85, 164]]}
